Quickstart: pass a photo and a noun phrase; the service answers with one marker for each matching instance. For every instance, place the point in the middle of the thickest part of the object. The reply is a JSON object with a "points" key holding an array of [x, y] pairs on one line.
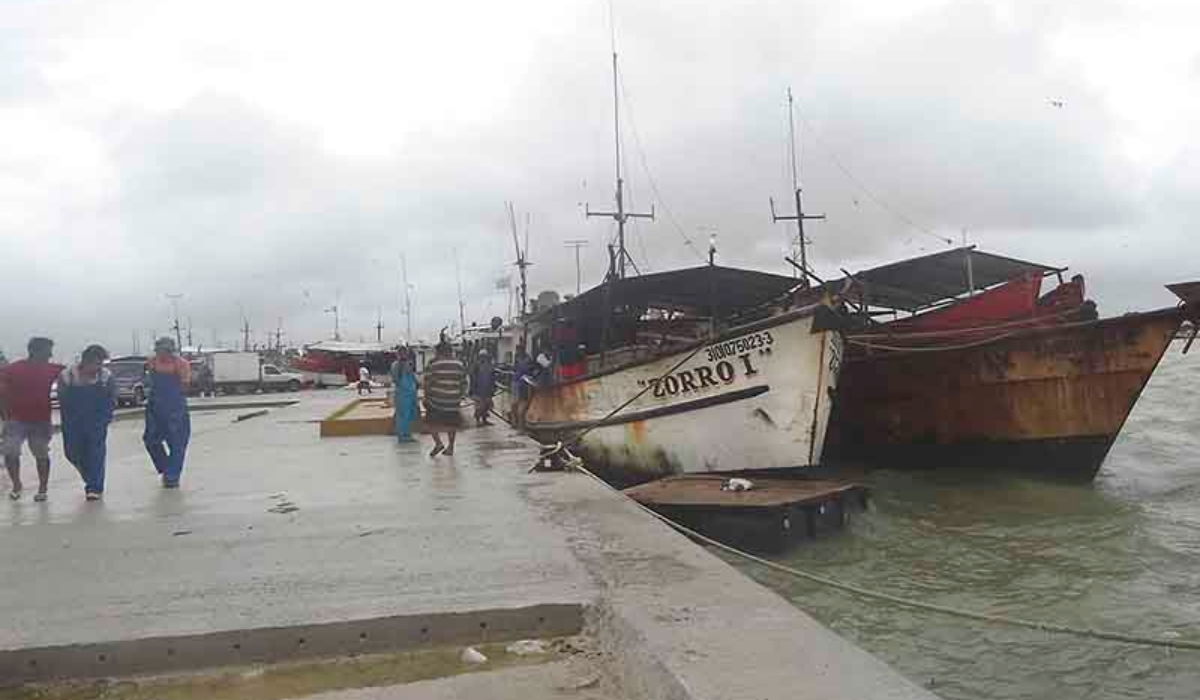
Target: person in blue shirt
{"points": [[87, 394], [404, 381]]}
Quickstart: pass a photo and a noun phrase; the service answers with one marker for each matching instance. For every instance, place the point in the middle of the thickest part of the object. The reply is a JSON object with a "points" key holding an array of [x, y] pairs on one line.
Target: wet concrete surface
{"points": [[277, 527], [274, 527]]}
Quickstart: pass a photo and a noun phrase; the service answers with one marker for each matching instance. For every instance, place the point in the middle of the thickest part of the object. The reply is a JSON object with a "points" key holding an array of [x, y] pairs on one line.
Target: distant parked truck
{"points": [[244, 372]]}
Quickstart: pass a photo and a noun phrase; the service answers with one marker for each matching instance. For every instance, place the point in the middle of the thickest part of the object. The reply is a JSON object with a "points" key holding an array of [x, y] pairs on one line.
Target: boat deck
{"points": [[704, 490]]}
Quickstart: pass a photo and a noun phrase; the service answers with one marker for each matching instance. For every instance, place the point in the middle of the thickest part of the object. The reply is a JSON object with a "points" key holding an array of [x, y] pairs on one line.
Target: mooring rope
{"points": [[1055, 628], [649, 385], [908, 602]]}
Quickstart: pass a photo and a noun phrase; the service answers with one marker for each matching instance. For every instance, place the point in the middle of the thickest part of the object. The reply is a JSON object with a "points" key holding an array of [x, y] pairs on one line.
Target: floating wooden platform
{"points": [[363, 416], [775, 513]]}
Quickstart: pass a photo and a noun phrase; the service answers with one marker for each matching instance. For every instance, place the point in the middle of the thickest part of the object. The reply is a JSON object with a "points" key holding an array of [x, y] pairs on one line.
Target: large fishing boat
{"points": [[958, 359], [692, 370], [700, 369]]}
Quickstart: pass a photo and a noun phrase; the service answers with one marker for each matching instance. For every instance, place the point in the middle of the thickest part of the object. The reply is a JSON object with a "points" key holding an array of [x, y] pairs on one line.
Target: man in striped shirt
{"points": [[445, 388]]}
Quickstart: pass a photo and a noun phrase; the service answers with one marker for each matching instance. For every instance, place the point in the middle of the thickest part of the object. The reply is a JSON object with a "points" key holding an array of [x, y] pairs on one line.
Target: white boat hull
{"points": [[758, 398]]}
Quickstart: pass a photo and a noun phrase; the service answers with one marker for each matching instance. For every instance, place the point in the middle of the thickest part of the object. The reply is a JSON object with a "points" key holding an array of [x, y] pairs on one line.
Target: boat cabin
{"points": [[624, 321]]}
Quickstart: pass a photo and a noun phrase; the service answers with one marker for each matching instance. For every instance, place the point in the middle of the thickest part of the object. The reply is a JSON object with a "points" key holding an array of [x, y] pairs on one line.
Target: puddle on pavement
{"points": [[291, 679]]}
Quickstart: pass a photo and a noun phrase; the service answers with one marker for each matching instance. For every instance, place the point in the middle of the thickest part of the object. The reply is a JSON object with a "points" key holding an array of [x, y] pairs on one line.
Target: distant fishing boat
{"points": [[985, 371]]}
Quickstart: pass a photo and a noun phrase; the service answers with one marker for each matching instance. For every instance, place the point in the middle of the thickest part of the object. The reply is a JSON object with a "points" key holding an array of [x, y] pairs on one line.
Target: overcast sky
{"points": [[275, 158]]}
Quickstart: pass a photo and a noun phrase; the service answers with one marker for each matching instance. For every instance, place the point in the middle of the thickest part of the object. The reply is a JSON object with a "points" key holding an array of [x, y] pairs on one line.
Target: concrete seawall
{"points": [[282, 545]]}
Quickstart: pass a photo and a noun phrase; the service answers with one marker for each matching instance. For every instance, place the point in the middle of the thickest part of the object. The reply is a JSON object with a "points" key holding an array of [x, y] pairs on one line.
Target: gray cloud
{"points": [[944, 116]]}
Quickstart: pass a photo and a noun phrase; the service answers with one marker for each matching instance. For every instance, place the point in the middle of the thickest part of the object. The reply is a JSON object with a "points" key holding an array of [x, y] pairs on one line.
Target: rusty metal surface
{"points": [[705, 490], [1065, 382]]}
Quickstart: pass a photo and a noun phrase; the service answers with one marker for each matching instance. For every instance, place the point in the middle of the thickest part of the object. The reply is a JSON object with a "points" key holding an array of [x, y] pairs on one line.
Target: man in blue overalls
{"points": [[86, 396], [167, 420]]}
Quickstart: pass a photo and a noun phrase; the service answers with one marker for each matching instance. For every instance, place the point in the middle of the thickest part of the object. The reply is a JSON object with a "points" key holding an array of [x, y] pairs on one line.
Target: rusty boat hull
{"points": [[1048, 401]]}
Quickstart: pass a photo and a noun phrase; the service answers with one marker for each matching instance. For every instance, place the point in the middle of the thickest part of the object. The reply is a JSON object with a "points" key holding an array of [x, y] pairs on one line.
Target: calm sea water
{"points": [[1121, 554]]}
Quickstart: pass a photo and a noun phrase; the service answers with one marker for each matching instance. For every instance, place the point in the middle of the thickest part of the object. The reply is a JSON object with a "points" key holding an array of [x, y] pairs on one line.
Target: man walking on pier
{"points": [[167, 420], [445, 387], [86, 396], [25, 406]]}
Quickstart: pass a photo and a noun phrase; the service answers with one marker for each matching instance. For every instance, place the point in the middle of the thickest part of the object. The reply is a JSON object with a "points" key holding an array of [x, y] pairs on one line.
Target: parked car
{"points": [[129, 373]]}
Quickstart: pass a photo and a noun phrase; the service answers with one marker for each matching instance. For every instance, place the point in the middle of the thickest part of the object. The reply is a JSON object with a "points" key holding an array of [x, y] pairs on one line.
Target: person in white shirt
{"points": [[364, 379]]}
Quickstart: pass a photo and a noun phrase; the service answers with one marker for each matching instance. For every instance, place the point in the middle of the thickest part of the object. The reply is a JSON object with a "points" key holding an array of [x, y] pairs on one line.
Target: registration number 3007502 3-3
{"points": [[739, 346]]}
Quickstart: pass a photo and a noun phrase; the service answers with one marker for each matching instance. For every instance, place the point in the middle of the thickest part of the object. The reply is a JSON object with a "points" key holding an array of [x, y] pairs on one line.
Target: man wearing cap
{"points": [[168, 424], [25, 407]]}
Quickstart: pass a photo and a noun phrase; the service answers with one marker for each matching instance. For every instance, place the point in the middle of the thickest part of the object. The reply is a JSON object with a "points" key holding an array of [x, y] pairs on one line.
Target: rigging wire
{"points": [[662, 201], [866, 190], [636, 230]]}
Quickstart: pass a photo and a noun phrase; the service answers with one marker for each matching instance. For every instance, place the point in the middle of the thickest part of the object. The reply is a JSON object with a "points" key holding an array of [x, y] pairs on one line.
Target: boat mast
{"points": [[800, 245], [620, 215], [407, 300], [522, 264], [462, 313]]}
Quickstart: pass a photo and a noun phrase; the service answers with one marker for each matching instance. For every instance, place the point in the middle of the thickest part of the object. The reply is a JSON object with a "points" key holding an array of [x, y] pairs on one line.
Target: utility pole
{"points": [[462, 308], [800, 217], [337, 325], [407, 301], [577, 244], [175, 313], [279, 336], [246, 335], [379, 325], [189, 332], [620, 215]]}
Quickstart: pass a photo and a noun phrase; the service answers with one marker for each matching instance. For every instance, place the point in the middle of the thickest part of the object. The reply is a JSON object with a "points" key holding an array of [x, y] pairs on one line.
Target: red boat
{"points": [[336, 363], [986, 371]]}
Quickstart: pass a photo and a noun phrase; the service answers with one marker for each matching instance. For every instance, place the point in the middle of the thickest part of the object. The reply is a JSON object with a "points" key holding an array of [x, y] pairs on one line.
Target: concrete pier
{"points": [[282, 545]]}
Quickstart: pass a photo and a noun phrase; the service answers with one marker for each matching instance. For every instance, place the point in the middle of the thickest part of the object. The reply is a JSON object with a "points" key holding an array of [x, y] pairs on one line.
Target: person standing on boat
{"points": [[483, 387], [168, 424], [86, 396], [445, 388], [25, 407], [404, 381]]}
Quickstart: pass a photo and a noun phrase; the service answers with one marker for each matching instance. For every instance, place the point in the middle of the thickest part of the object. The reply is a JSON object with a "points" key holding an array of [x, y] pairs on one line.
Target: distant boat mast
{"points": [[800, 244]]}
